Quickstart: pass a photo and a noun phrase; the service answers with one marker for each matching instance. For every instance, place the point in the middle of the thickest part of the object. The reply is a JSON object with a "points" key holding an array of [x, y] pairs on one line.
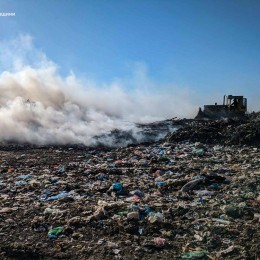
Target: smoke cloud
{"points": [[39, 106]]}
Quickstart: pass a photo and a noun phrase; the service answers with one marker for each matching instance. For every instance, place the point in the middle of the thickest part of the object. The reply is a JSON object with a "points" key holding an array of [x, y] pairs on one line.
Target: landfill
{"points": [[193, 194]]}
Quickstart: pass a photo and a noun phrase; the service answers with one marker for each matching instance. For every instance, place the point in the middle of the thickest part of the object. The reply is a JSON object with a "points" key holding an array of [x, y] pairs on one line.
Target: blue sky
{"points": [[208, 46]]}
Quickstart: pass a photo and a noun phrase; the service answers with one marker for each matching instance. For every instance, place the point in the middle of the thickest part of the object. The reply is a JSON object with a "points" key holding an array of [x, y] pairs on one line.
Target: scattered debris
{"points": [[192, 195]]}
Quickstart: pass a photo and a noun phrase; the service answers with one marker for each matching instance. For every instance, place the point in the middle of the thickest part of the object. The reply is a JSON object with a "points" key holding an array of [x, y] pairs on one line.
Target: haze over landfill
{"points": [[40, 106]]}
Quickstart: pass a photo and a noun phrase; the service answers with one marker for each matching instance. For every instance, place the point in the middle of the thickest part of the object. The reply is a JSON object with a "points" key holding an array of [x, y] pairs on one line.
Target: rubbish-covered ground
{"points": [[193, 195]]}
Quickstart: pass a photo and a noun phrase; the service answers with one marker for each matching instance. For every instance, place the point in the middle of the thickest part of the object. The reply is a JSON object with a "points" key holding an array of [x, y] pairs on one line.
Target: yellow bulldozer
{"points": [[233, 106]]}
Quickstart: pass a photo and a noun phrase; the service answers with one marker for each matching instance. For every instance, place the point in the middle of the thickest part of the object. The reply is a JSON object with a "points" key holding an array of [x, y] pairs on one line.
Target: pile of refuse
{"points": [[226, 132], [177, 198]]}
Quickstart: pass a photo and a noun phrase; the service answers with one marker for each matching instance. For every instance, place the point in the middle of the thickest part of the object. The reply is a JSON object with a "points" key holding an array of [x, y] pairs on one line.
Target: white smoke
{"points": [[39, 106]]}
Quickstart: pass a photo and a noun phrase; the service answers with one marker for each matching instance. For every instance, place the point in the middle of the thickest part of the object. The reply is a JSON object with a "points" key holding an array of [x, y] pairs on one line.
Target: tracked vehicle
{"points": [[233, 106]]}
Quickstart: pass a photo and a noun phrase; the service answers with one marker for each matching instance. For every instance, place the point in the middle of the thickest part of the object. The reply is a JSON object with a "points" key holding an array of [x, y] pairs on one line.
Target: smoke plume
{"points": [[39, 106]]}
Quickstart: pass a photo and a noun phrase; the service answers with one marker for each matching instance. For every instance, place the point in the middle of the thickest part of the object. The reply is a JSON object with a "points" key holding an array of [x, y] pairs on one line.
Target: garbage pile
{"points": [[180, 199], [226, 132]]}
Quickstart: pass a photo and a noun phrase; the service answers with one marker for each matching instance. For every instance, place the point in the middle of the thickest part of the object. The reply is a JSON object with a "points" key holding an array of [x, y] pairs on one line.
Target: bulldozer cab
{"points": [[237, 104], [233, 106]]}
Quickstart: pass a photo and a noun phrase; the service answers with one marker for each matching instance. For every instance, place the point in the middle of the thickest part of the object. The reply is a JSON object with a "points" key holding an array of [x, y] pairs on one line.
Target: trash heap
{"points": [[225, 132], [178, 199]]}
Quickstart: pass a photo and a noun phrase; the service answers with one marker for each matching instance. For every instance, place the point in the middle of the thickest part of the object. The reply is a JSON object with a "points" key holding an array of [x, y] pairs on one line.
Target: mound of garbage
{"points": [[193, 195], [225, 132]]}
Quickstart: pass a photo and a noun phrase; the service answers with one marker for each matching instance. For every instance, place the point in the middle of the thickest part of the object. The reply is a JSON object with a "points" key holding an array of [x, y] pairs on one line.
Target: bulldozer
{"points": [[233, 106]]}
